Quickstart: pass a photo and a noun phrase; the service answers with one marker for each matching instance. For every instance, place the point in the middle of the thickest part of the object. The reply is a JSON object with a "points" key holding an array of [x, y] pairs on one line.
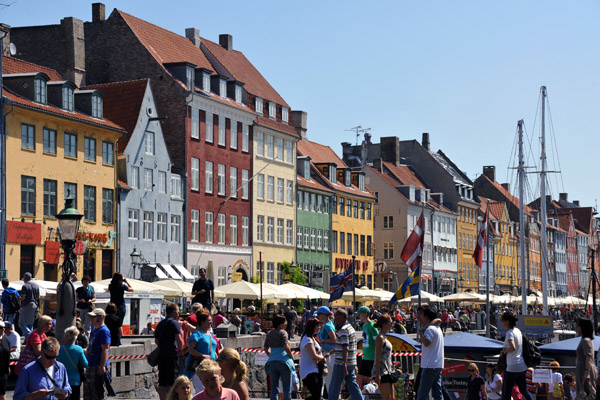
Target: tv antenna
{"points": [[358, 130]]}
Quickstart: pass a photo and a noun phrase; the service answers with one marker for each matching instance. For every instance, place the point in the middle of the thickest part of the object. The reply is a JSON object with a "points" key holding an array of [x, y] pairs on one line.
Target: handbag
{"points": [[27, 356], [79, 367], [557, 391], [395, 375], [195, 361], [501, 366], [154, 357]]}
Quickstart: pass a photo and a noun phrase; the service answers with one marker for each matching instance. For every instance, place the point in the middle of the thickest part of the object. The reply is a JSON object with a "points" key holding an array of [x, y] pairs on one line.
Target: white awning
{"points": [[183, 271], [159, 273], [170, 271]]}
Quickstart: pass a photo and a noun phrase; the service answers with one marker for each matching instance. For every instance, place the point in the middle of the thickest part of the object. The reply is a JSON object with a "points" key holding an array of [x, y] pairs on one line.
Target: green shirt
{"points": [[369, 335]]}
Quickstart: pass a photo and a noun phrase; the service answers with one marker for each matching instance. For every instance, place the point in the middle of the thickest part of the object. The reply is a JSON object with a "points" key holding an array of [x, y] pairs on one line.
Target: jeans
{"points": [[349, 379], [10, 317], [26, 329], [327, 378], [280, 370], [431, 380], [512, 379]]}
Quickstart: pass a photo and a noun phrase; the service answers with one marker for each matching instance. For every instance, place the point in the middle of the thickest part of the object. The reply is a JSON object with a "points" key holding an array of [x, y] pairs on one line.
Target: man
{"points": [[14, 339], [11, 301], [203, 290], [97, 356], [4, 361], [432, 355], [85, 297], [168, 339], [44, 378], [328, 340], [369, 335], [291, 317], [30, 297], [345, 359]]}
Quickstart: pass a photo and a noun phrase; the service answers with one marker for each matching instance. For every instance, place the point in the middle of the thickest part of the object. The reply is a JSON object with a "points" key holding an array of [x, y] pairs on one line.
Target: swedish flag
{"points": [[409, 288]]}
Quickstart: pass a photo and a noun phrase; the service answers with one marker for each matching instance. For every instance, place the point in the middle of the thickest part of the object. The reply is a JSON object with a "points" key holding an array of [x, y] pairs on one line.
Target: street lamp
{"points": [[135, 259]]}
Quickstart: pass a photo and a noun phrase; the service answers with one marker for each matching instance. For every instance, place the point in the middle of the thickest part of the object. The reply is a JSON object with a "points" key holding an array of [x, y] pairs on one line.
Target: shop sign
{"points": [[23, 232], [52, 252], [454, 368], [236, 276], [80, 247]]}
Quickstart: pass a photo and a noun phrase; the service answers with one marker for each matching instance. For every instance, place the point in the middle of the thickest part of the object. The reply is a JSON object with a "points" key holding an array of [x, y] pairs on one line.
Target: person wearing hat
{"points": [[328, 339], [97, 356], [368, 341], [30, 298], [4, 361]]}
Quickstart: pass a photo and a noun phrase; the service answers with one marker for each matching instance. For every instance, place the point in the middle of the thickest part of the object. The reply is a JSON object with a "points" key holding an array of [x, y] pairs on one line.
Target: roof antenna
{"points": [[358, 130]]}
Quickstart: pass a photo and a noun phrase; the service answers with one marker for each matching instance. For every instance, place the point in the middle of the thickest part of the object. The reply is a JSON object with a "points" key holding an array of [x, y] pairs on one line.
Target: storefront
{"points": [[223, 264]]}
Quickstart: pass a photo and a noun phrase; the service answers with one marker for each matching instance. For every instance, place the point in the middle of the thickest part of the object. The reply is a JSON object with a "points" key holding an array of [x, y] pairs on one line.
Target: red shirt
{"points": [[192, 320], [218, 319], [226, 394]]}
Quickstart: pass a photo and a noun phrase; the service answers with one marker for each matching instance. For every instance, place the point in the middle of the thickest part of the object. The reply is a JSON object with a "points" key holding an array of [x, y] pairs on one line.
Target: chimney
{"points": [[74, 49], [425, 141], [299, 120], [226, 42], [563, 197], [98, 12], [6, 40], [193, 34], [368, 138], [576, 202], [378, 165], [490, 172], [506, 186]]}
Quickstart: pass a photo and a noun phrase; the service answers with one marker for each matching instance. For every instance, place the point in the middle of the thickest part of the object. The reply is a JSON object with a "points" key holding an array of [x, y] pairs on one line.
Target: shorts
{"points": [[167, 371], [3, 380], [387, 379], [365, 368]]}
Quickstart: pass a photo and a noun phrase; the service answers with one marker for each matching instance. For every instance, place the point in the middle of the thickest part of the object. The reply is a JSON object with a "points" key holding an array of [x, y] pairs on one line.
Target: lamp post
{"points": [[68, 222], [135, 259]]}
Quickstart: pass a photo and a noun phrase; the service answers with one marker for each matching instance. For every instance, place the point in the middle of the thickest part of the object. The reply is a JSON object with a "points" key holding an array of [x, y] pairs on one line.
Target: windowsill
{"points": [[29, 150], [89, 161], [50, 154], [210, 141], [107, 165], [71, 157], [48, 218], [108, 223], [195, 137]]}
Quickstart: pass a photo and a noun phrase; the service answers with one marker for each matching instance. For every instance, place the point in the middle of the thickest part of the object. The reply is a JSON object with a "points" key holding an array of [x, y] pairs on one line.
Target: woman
{"points": [[82, 339], [571, 386], [218, 318], [72, 357], [516, 369], [210, 374], [585, 368], [555, 389], [328, 339], [493, 382], [234, 371], [382, 366], [33, 346], [114, 324], [281, 361], [117, 288], [181, 390], [201, 346], [235, 319], [475, 385], [310, 357]]}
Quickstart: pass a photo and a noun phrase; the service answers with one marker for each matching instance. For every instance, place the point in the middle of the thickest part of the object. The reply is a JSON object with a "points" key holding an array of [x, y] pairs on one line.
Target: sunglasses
{"points": [[472, 370], [49, 357]]}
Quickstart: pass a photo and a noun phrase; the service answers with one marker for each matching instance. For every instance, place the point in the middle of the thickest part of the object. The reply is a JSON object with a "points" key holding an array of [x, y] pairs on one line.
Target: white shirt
{"points": [[432, 356], [491, 386], [15, 341], [556, 378], [514, 359], [307, 364]]}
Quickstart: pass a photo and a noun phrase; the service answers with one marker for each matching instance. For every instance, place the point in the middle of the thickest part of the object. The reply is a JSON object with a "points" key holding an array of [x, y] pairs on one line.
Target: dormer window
{"points": [[259, 105], [206, 81], [361, 182], [284, 115], [40, 90], [189, 78], [332, 171], [272, 110], [67, 98], [97, 109], [307, 169], [347, 178], [223, 88], [238, 94]]}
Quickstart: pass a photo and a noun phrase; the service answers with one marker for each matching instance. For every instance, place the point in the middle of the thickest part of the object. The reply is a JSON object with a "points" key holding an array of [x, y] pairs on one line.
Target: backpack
{"points": [[13, 301], [531, 353]]}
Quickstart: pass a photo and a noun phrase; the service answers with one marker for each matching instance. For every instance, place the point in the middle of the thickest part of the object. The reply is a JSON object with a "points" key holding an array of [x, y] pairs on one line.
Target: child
{"points": [[571, 387], [369, 388]]}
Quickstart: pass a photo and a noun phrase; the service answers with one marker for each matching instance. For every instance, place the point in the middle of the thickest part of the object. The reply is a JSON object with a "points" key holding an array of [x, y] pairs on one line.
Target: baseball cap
{"points": [[323, 310], [8, 324], [363, 309], [97, 312], [27, 275], [2, 324]]}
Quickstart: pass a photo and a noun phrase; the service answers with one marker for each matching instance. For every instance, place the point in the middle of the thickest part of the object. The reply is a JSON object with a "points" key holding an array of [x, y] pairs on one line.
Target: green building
{"points": [[313, 224]]}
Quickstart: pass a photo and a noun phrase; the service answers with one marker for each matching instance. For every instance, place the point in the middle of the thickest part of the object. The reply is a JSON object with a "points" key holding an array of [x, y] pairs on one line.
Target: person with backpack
{"points": [[516, 368], [11, 301]]}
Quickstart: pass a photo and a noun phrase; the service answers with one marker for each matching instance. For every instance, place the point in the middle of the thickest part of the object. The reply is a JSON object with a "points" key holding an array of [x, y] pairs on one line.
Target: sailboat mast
{"points": [[543, 218], [521, 174]]}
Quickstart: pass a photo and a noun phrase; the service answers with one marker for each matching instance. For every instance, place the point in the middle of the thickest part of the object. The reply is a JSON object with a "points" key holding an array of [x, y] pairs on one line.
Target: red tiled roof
{"points": [[122, 183], [509, 197], [122, 103], [11, 65], [319, 153], [406, 175], [236, 63], [496, 207], [312, 184], [278, 126]]}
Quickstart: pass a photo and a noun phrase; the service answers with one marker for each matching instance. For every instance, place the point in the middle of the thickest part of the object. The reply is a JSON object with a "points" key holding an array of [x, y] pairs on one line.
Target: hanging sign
{"points": [[23, 232], [80, 247]]}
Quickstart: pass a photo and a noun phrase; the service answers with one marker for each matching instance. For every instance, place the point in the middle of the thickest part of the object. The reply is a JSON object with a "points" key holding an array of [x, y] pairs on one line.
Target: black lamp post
{"points": [[135, 259]]}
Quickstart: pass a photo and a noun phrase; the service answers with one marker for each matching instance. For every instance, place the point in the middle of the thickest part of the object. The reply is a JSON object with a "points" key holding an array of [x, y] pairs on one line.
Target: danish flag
{"points": [[481, 239], [413, 248]]}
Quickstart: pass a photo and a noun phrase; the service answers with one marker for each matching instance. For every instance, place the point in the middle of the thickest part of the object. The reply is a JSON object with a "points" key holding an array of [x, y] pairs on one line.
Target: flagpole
{"points": [[487, 294], [422, 251], [354, 277]]}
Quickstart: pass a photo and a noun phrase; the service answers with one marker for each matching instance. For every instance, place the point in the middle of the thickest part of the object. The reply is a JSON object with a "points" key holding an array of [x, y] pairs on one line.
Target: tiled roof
{"points": [[319, 153], [552, 227], [312, 184], [227, 101], [236, 63], [564, 220], [11, 65], [122, 184], [509, 197], [278, 126], [405, 174], [122, 103], [584, 217], [496, 207], [164, 45]]}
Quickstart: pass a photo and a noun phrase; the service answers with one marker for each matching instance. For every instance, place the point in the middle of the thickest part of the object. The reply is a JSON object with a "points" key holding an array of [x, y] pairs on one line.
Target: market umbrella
{"points": [[304, 292], [425, 298], [380, 295], [387, 296], [184, 289], [279, 293], [361, 295], [139, 286], [464, 296], [243, 290], [46, 287]]}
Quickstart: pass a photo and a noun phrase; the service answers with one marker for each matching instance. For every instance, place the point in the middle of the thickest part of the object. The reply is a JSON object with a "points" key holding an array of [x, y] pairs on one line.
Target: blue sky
{"points": [[464, 71]]}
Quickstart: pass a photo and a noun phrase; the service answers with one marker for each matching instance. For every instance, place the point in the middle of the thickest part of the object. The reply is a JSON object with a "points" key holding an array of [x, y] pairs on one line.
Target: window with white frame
{"points": [[161, 227], [280, 190], [313, 202], [388, 251], [284, 114], [272, 110], [135, 177], [279, 149], [388, 222], [270, 187], [148, 225], [289, 192], [319, 239], [280, 230], [270, 229], [260, 228], [222, 276], [245, 184], [245, 231], [270, 272], [238, 94], [206, 81], [289, 152], [89, 149], [195, 225], [245, 137], [258, 105], [208, 177], [299, 237], [189, 75], [208, 227], [326, 240], [260, 144], [221, 228], [176, 186], [270, 146], [209, 128], [325, 205], [195, 174], [97, 110], [313, 236], [175, 225], [221, 179], [233, 230], [222, 131], [306, 238], [149, 142], [162, 182], [260, 186], [40, 90], [289, 234], [233, 135], [306, 201], [233, 185], [148, 179], [67, 100], [319, 203], [222, 88], [195, 123], [133, 224]]}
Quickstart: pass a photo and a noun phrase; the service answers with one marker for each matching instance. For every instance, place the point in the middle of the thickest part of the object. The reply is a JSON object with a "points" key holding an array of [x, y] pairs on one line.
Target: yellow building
{"points": [[57, 142], [466, 237], [351, 213]]}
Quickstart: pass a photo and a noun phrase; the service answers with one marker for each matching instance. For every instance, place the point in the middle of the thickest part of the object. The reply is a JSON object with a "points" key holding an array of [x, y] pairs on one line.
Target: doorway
{"points": [[27, 256]]}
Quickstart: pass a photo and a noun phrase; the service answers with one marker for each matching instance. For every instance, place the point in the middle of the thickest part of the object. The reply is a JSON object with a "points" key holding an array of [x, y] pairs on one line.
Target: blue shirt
{"points": [[205, 344], [77, 357], [98, 337], [6, 301], [324, 334], [34, 378]]}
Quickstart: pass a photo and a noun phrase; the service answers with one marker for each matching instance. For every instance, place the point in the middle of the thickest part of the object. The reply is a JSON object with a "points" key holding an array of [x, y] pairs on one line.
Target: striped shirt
{"points": [[346, 336]]}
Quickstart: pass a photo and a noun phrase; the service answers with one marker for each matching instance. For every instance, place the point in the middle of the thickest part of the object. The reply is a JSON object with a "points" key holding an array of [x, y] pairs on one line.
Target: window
{"points": [[209, 128], [40, 90], [388, 222], [319, 203], [326, 240], [270, 229], [89, 149], [233, 135], [362, 210], [349, 243], [299, 199], [260, 228], [175, 224], [208, 177], [334, 205], [97, 106], [306, 201], [49, 198], [222, 88], [89, 203], [260, 144], [299, 237], [270, 148], [195, 134], [272, 109], [270, 272], [161, 227], [342, 243], [135, 178], [49, 141], [260, 186], [70, 145], [176, 186], [221, 276], [206, 81], [313, 237], [270, 187], [289, 232], [284, 115], [362, 245], [289, 152], [133, 224], [355, 208], [148, 179], [222, 131], [221, 228], [245, 138], [280, 190], [27, 137], [148, 225], [107, 153], [306, 238], [233, 230], [258, 105], [149, 142], [189, 78], [107, 206], [280, 230], [162, 182], [279, 149], [67, 99], [388, 251], [71, 190], [355, 245], [342, 206], [334, 243], [348, 207], [233, 182], [319, 239], [221, 179], [238, 94], [289, 192], [369, 246], [245, 231], [208, 227], [245, 184], [195, 225]]}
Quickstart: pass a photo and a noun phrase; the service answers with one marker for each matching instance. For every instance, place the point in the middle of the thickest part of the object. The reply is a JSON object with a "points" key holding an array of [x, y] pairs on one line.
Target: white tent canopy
{"points": [[183, 289], [243, 290], [425, 298], [303, 292]]}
